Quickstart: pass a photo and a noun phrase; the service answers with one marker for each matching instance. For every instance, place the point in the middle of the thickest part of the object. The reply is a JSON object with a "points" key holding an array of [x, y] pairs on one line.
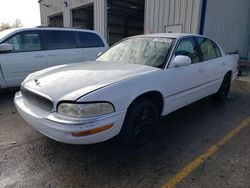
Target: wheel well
{"points": [[229, 73], [155, 96]]}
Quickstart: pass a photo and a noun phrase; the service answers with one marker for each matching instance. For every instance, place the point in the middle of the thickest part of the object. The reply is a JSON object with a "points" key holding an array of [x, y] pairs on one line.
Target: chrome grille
{"points": [[37, 100]]}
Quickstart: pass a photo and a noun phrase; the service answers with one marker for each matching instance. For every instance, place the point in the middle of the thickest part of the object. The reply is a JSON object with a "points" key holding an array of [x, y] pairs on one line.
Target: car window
{"points": [[60, 40], [15, 41], [188, 48], [217, 50], [25, 42], [208, 51], [88, 40]]}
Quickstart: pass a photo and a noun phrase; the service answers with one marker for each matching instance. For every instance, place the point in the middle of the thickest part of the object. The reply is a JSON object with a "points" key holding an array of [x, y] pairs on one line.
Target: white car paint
{"points": [[84, 78], [119, 84], [15, 66]]}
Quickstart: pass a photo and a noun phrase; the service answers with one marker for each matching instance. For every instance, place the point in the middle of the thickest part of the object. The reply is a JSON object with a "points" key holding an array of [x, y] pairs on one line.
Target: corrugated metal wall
{"points": [[160, 15], [183, 15], [228, 22], [57, 6]]}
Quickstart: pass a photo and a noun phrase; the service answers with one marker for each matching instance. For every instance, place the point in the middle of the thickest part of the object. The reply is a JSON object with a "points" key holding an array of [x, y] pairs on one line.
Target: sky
{"points": [[26, 10]]}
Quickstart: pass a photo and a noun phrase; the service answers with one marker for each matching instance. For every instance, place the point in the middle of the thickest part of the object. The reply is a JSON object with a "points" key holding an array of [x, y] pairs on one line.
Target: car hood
{"points": [[70, 82]]}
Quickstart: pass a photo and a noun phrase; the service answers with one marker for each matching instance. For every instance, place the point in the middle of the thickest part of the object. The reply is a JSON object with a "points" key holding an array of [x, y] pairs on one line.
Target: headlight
{"points": [[85, 110]]}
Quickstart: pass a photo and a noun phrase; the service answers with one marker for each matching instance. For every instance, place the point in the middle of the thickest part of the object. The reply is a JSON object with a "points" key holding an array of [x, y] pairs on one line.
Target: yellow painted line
{"points": [[201, 158]]}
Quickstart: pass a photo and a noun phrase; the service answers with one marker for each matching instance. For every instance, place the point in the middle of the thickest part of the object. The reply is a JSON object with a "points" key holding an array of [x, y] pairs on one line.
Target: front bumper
{"points": [[59, 129]]}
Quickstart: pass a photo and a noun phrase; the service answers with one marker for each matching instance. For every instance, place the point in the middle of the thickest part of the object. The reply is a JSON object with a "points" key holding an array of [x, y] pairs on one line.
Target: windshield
{"points": [[144, 51]]}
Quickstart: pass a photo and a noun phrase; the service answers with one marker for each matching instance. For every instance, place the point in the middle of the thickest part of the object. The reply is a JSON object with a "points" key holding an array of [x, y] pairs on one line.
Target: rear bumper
{"points": [[61, 130]]}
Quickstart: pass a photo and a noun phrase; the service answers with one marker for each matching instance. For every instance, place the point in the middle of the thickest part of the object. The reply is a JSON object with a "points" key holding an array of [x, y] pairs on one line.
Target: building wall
{"points": [[173, 15], [57, 6], [160, 15], [228, 22]]}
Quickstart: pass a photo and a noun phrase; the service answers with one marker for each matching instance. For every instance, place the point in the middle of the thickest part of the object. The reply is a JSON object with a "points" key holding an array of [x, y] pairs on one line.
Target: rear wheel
{"points": [[140, 123], [222, 93]]}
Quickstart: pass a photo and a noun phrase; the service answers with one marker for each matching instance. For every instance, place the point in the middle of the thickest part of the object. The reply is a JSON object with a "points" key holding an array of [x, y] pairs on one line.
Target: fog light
{"points": [[92, 131]]}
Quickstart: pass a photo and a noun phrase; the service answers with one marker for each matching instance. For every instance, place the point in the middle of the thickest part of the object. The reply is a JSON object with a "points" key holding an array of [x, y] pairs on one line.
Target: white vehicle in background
{"points": [[126, 90], [26, 50]]}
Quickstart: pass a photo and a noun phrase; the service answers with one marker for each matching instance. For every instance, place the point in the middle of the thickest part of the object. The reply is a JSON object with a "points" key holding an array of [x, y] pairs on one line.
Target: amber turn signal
{"points": [[92, 131]]}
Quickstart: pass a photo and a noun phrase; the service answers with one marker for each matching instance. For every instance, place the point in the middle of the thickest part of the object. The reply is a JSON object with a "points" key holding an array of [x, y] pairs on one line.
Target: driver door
{"points": [[185, 83]]}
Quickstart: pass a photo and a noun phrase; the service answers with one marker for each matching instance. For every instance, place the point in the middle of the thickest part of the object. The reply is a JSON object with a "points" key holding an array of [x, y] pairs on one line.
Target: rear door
{"points": [[27, 57], [213, 63], [62, 48]]}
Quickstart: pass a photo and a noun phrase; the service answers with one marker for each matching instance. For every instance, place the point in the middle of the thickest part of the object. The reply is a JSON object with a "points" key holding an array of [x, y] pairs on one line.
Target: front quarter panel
{"points": [[122, 94]]}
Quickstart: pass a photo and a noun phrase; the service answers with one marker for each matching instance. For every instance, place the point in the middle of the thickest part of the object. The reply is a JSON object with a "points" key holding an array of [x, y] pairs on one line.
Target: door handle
{"points": [[53, 55], [201, 70], [38, 56], [224, 63]]}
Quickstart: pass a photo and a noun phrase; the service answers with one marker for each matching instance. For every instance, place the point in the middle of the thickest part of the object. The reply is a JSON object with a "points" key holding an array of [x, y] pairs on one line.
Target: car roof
{"points": [[12, 31], [51, 28], [168, 35]]}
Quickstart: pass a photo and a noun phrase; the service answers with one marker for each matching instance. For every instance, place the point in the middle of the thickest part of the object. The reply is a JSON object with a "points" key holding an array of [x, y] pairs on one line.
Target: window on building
{"points": [[83, 17], [125, 18], [56, 21]]}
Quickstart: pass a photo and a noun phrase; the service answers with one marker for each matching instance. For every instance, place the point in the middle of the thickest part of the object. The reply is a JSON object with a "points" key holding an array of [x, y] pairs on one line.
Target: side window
{"points": [[88, 40], [15, 41], [189, 48], [208, 51], [217, 50], [25, 42], [60, 40]]}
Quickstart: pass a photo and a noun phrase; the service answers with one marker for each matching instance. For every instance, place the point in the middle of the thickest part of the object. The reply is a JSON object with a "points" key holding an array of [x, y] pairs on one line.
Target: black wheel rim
{"points": [[225, 87], [143, 123]]}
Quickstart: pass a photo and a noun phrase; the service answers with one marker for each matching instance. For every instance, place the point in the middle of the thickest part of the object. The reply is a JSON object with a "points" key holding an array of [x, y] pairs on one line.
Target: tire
{"points": [[222, 93], [240, 73], [140, 123]]}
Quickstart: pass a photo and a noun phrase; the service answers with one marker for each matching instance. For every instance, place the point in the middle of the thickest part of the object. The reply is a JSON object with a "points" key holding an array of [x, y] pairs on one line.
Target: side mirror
{"points": [[182, 60], [5, 47]]}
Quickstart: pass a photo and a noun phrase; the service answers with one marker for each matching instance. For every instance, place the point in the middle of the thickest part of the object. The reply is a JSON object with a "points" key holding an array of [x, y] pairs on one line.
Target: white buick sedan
{"points": [[126, 90]]}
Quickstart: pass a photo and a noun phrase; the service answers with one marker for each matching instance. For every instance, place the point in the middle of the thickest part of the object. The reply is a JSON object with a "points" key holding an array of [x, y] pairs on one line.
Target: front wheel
{"points": [[222, 93], [140, 123]]}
